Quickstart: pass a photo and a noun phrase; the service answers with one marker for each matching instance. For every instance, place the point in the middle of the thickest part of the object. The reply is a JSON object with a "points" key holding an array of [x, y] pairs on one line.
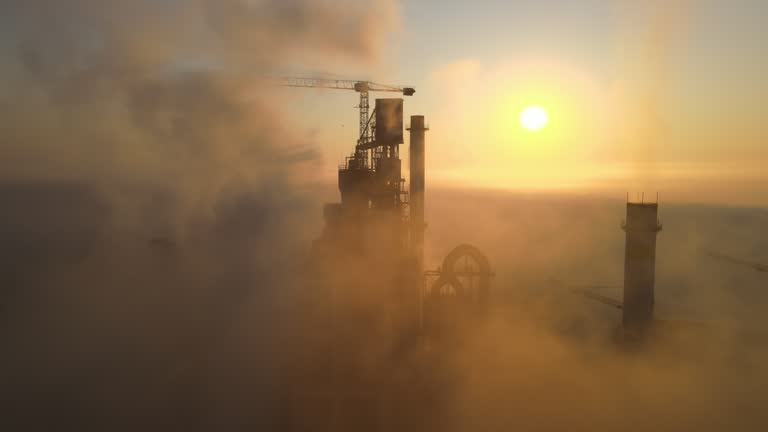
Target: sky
{"points": [[653, 96], [157, 224]]}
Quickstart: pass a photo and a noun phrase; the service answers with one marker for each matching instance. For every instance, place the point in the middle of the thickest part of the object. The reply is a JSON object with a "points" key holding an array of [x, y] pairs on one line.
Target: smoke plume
{"points": [[152, 192]]}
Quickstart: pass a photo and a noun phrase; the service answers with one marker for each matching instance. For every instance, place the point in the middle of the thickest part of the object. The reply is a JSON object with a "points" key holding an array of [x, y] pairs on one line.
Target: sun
{"points": [[534, 118]]}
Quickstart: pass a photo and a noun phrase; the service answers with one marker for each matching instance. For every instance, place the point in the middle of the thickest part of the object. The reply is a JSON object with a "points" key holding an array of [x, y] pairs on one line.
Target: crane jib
{"points": [[363, 87]]}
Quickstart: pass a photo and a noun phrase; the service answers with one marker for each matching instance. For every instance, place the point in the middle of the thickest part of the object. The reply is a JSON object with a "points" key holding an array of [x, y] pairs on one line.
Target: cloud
{"points": [[156, 201]]}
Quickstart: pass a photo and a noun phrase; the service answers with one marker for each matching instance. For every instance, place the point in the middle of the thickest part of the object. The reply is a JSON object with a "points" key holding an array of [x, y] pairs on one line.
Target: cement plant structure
{"points": [[365, 287]]}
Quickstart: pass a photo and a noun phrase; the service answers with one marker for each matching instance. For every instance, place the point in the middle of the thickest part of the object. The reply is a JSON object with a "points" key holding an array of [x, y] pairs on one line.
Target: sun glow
{"points": [[534, 118]]}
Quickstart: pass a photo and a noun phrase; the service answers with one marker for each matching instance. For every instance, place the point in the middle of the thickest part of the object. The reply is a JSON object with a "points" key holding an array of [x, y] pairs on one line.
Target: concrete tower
{"points": [[417, 129], [641, 227]]}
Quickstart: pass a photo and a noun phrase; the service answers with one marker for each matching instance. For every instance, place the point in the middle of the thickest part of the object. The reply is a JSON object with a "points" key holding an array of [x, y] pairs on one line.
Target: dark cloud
{"points": [[154, 215]]}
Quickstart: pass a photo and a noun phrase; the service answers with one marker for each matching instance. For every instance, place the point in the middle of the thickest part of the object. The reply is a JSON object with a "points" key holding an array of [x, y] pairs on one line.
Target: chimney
{"points": [[418, 225], [641, 227]]}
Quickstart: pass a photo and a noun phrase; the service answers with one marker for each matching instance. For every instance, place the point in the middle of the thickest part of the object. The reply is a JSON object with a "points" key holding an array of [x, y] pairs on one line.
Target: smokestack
{"points": [[641, 227], [417, 128]]}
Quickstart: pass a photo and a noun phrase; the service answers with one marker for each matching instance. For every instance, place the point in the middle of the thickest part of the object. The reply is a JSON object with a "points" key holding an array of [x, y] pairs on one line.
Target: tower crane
{"points": [[360, 86], [590, 292], [762, 268], [371, 176]]}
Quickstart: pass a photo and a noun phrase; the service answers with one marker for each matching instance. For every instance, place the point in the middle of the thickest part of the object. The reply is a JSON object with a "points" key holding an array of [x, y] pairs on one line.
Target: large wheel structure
{"points": [[466, 273], [459, 293]]}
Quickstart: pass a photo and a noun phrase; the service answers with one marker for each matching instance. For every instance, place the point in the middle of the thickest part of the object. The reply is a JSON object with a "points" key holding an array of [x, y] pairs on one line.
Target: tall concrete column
{"points": [[641, 227], [417, 157]]}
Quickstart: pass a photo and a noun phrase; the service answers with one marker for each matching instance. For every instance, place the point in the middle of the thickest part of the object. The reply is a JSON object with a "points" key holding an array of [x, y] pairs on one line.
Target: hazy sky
{"points": [[652, 95]]}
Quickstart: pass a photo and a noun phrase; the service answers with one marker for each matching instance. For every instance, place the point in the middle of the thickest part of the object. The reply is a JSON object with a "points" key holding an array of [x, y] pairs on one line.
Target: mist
{"points": [[158, 211], [154, 205], [548, 359]]}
